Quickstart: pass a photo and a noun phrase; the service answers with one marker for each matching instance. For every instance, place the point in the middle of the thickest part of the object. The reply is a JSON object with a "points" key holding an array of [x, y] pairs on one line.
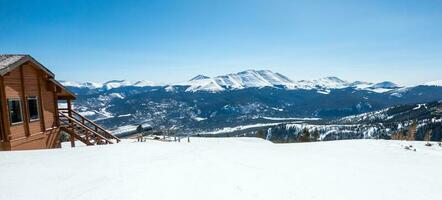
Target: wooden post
{"points": [[40, 106], [4, 111], [69, 107], [24, 105], [72, 141], [86, 133], [71, 122], [55, 97]]}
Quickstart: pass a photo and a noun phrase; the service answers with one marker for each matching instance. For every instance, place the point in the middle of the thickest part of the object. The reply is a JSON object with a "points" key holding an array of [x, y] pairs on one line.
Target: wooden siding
{"points": [[13, 90], [51, 139], [48, 100], [29, 81], [4, 113]]}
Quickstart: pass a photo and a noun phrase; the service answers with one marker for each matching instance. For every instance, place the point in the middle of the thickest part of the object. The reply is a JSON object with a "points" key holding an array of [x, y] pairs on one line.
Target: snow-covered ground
{"points": [[225, 168]]}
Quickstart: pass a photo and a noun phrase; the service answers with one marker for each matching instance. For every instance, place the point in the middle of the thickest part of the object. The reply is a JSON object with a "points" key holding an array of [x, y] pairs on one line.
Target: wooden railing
{"points": [[90, 129]]}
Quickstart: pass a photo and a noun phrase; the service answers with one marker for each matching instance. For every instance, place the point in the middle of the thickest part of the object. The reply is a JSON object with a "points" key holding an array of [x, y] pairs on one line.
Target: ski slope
{"points": [[225, 168]]}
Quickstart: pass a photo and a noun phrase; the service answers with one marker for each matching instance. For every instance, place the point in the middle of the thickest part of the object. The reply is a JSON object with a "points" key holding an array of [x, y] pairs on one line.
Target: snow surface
{"points": [[108, 85], [117, 84], [116, 95], [238, 128], [225, 168], [90, 85], [434, 83], [6, 60], [292, 118]]}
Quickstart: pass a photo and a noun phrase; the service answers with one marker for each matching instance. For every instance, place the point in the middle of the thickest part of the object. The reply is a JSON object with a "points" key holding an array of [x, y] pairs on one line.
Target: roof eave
{"points": [[71, 95], [22, 61]]}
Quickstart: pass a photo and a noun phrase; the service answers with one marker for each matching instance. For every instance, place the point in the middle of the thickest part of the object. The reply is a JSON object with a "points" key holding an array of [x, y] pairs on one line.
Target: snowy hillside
{"points": [[226, 168], [267, 78], [108, 85]]}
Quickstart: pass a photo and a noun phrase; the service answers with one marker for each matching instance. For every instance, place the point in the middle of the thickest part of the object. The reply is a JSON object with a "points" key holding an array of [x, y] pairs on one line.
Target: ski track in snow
{"points": [[225, 168]]}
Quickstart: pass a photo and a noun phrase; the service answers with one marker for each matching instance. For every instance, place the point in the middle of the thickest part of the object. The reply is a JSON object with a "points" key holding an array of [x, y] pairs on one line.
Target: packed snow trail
{"points": [[225, 168]]}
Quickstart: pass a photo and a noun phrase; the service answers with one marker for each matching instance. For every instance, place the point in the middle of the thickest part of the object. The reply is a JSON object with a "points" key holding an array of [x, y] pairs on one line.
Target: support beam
{"points": [[4, 112], [69, 107], [72, 139], [70, 121], [24, 103], [41, 104]]}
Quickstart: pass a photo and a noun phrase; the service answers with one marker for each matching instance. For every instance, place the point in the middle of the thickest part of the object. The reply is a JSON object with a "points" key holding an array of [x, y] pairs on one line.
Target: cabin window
{"points": [[33, 108], [15, 112]]}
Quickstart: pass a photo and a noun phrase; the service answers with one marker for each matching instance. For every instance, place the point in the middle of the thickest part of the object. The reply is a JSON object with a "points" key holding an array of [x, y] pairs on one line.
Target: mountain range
{"points": [[254, 96], [245, 79]]}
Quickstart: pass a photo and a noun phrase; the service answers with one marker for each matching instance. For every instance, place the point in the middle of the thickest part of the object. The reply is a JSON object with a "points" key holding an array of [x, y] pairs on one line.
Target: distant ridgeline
{"points": [[205, 104], [407, 122]]}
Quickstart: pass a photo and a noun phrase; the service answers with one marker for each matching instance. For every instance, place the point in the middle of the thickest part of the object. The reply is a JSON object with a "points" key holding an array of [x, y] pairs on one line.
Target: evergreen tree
{"points": [[304, 136], [315, 135]]}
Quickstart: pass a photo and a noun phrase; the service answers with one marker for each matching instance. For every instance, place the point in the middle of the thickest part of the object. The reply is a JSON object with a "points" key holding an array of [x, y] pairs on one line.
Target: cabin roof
{"points": [[8, 62]]}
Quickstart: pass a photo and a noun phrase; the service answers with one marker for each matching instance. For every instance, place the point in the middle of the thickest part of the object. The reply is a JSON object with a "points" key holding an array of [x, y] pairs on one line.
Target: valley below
{"points": [[253, 101]]}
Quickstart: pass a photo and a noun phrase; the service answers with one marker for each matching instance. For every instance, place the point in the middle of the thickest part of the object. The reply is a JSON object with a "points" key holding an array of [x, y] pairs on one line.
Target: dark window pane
{"points": [[33, 108], [15, 111]]}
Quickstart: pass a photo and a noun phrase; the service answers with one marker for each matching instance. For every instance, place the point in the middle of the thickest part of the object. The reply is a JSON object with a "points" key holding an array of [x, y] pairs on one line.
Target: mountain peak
{"points": [[199, 77], [251, 71], [333, 79], [385, 85], [331, 82], [144, 83]]}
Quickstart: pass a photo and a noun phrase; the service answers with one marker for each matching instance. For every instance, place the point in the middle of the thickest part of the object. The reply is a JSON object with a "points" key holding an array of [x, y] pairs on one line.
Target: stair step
{"points": [[85, 130]]}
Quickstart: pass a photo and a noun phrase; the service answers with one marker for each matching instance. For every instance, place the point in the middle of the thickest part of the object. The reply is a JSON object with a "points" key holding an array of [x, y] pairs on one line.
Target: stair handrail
{"points": [[85, 127], [93, 123]]}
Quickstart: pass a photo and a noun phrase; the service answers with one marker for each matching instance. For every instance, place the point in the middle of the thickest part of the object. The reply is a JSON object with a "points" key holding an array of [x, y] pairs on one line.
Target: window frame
{"points": [[37, 106], [21, 111]]}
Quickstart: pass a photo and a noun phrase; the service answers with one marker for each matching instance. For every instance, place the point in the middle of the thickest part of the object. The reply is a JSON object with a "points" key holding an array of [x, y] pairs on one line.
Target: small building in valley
{"points": [[29, 111]]}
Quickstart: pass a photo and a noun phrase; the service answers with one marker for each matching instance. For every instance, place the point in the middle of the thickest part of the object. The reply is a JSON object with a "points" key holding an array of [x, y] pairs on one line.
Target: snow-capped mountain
{"points": [[241, 80], [385, 85], [90, 85], [254, 79], [437, 83], [107, 85], [267, 78]]}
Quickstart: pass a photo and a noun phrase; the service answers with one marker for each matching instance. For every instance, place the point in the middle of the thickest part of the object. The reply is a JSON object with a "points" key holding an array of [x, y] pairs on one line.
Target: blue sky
{"points": [[171, 41]]}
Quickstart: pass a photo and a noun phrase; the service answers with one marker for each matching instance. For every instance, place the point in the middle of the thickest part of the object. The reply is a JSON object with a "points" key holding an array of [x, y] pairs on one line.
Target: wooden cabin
{"points": [[29, 112]]}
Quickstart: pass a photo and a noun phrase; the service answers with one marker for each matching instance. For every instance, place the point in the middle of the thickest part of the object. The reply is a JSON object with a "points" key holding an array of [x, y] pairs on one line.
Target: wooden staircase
{"points": [[83, 129]]}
